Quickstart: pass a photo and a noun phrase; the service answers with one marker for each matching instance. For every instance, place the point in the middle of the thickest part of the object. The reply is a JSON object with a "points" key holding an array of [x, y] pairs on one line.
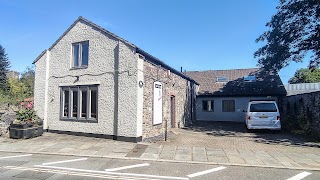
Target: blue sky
{"points": [[197, 35]]}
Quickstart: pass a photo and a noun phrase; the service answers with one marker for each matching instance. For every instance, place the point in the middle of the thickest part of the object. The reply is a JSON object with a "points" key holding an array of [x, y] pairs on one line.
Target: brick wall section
{"points": [[172, 86], [302, 110]]}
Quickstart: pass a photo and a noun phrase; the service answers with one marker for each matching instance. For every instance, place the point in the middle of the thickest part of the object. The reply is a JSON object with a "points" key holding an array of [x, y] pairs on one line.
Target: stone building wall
{"points": [[105, 51], [173, 85], [302, 113]]}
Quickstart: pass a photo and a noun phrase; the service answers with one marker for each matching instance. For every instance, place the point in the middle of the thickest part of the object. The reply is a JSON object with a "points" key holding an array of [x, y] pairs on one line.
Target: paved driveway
{"points": [[194, 145], [229, 135]]}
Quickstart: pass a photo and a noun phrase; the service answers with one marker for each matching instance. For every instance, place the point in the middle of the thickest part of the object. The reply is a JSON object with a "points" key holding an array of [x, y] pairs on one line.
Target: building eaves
{"points": [[80, 18], [267, 83], [157, 61], [150, 57], [37, 59]]}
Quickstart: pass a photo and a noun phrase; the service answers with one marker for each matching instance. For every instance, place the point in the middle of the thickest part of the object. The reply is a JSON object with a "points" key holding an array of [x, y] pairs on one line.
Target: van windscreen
{"points": [[263, 107]]}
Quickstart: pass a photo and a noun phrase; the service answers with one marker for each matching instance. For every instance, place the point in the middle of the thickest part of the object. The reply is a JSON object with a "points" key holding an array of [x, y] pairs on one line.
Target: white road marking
{"points": [[72, 169], [73, 173], [59, 162], [127, 167], [206, 172], [300, 176], [149, 176], [15, 156], [114, 173]]}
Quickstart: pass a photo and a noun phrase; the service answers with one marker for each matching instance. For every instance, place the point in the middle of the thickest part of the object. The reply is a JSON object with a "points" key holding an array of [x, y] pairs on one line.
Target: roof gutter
{"points": [[157, 61], [40, 56]]}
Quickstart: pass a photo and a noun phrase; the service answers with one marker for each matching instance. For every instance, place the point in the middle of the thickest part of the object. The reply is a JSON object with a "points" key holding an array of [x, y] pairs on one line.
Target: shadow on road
{"points": [[236, 129]]}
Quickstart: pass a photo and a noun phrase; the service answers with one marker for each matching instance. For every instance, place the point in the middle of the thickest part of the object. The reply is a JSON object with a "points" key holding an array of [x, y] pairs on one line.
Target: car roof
{"points": [[256, 102]]}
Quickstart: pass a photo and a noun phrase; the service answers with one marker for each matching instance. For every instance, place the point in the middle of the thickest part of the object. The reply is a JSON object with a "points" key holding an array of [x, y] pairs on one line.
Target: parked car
{"points": [[263, 115]]}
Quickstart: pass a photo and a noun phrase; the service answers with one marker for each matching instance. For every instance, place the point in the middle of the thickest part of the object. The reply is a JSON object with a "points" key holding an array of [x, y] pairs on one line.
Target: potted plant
{"points": [[27, 124]]}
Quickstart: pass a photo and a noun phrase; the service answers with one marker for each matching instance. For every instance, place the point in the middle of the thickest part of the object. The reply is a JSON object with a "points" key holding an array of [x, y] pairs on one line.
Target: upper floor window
{"points": [[80, 52], [222, 79]]}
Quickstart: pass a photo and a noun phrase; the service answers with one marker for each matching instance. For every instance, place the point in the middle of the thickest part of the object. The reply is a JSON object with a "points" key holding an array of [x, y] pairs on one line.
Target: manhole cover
{"points": [[137, 151]]}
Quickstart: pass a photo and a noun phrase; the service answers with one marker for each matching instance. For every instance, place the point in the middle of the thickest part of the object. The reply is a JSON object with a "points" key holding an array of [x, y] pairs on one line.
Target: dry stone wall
{"points": [[302, 113], [7, 115]]}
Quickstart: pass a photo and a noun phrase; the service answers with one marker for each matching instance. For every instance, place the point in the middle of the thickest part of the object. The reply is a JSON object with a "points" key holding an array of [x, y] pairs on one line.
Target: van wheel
{"points": [[248, 130], [277, 131]]}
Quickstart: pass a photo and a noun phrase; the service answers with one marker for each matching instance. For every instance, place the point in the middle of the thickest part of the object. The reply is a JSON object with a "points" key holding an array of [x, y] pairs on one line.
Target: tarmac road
{"points": [[22, 166]]}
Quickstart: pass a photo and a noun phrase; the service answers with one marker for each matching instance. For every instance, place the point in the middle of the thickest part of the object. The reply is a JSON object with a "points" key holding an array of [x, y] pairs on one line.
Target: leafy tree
{"points": [[4, 67], [293, 32], [305, 75], [27, 78], [18, 90]]}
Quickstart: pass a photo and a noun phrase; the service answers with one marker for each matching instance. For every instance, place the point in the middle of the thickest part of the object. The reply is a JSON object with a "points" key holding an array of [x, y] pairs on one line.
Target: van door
{"points": [[263, 113]]}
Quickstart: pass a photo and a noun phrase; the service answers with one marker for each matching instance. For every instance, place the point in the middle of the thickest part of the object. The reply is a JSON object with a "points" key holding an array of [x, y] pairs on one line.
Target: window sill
{"points": [[80, 67], [80, 120], [157, 124]]}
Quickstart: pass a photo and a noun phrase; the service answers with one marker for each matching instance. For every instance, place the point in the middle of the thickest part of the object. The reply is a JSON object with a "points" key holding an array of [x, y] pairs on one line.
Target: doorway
{"points": [[173, 111]]}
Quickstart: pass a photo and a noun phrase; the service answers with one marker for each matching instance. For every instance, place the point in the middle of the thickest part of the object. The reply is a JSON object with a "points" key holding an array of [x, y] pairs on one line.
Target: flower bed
{"points": [[25, 131], [27, 124]]}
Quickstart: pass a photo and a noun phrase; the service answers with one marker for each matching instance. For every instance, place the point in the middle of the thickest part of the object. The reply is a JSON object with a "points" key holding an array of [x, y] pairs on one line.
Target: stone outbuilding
{"points": [[91, 82]]}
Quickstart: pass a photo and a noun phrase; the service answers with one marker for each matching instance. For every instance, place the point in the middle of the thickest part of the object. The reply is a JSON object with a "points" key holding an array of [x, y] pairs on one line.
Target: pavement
{"points": [[187, 145]]}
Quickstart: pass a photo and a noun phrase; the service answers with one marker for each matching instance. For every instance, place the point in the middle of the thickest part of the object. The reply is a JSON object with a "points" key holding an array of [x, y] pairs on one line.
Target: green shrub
{"points": [[27, 116]]}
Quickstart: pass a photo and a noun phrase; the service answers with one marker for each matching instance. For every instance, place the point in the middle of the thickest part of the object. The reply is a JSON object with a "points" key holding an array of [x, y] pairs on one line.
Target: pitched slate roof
{"points": [[138, 50], [266, 83]]}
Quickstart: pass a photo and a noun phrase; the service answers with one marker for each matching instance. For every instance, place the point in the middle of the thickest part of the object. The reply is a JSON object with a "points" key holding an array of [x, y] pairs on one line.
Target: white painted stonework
{"points": [[104, 49]]}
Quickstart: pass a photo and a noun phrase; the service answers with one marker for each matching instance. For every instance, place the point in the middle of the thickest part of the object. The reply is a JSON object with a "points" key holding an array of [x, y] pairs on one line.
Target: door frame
{"points": [[172, 114]]}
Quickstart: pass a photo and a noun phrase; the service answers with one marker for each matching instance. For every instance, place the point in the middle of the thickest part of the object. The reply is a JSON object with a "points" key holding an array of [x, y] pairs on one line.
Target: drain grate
{"points": [[137, 151]]}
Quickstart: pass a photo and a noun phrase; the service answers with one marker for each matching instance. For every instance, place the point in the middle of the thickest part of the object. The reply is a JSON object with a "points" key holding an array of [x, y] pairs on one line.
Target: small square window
{"points": [[208, 105], [228, 106], [80, 53], [249, 78], [222, 79]]}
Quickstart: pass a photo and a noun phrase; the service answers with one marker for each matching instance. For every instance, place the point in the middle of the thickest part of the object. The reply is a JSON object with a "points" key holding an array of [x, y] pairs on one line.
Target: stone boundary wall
{"points": [[7, 115], [301, 113]]}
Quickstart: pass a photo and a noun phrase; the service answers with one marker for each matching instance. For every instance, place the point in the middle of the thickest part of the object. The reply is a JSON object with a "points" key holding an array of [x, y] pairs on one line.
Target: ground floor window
{"points": [[207, 105], [228, 106], [79, 103]]}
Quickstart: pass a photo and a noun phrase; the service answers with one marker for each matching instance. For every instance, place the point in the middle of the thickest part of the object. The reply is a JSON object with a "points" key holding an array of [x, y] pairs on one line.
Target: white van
{"points": [[263, 115]]}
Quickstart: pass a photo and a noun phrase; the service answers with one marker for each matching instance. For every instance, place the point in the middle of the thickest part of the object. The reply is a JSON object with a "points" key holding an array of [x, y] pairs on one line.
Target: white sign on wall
{"points": [[157, 103]]}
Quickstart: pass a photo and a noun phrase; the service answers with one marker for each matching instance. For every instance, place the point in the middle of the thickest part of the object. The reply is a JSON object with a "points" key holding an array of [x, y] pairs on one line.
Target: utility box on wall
{"points": [[157, 103]]}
